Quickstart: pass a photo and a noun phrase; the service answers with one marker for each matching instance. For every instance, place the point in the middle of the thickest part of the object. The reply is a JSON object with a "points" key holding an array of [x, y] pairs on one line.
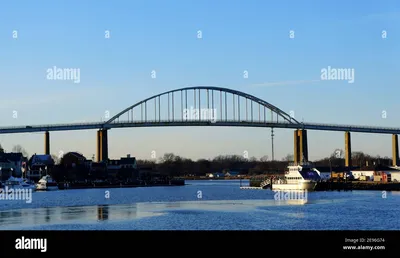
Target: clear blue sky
{"points": [[162, 36]]}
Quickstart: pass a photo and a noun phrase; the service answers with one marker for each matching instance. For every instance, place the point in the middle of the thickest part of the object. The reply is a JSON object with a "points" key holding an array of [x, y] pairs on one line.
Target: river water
{"points": [[200, 205]]}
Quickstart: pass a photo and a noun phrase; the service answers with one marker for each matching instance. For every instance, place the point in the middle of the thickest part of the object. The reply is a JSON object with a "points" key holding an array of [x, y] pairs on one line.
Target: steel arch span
{"points": [[229, 105]]}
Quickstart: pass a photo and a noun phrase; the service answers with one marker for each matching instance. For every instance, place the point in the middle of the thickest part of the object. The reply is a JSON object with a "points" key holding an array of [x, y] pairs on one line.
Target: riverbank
{"points": [[91, 185], [216, 178]]}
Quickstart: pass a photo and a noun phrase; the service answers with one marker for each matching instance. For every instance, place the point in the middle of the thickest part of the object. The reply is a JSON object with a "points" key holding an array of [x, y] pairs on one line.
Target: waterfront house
{"points": [[113, 167], [73, 159], [128, 167], [88, 163], [128, 162], [16, 159], [123, 168], [5, 168], [39, 165], [99, 170]]}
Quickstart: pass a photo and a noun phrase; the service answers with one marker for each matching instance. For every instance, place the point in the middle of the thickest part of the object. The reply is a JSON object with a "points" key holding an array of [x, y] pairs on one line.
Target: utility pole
{"points": [[272, 141]]}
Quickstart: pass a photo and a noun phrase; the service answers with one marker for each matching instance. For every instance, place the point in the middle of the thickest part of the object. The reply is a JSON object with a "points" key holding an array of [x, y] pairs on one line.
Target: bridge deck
{"points": [[231, 123]]}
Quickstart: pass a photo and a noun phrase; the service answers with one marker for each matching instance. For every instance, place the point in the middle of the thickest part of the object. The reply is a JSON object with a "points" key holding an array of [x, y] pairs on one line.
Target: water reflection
{"points": [[26, 218], [11, 217], [292, 202], [49, 213], [102, 212], [66, 215], [173, 205]]}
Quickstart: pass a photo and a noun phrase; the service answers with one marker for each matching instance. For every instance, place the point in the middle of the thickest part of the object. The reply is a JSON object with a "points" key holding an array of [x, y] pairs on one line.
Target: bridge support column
{"points": [[395, 149], [102, 145], [347, 151], [296, 155], [98, 146], [47, 143], [300, 146]]}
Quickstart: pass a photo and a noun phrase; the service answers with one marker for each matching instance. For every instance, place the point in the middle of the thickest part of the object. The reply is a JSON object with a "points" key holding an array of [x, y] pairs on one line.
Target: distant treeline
{"points": [[174, 165]]}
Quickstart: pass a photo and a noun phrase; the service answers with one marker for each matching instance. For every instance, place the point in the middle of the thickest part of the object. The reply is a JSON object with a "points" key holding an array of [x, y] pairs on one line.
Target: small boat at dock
{"points": [[46, 183], [18, 183]]}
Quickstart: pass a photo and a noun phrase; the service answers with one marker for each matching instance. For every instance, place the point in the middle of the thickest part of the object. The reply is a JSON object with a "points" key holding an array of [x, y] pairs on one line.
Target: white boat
{"points": [[298, 177], [18, 183], [46, 183]]}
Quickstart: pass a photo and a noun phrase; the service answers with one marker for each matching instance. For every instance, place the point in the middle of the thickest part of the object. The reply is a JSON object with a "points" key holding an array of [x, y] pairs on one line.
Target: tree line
{"points": [[174, 165]]}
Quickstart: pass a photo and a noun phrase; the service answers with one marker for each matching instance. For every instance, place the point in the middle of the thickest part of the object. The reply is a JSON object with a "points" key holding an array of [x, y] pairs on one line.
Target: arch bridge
{"points": [[196, 106], [202, 104]]}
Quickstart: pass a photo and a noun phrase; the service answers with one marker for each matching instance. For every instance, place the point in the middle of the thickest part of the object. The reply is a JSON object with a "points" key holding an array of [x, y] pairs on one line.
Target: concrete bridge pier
{"points": [[347, 151], [395, 150], [102, 145], [47, 143], [300, 146]]}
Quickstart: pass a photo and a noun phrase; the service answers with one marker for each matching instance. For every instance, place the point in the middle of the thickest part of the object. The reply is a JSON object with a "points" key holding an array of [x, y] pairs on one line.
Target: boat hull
{"points": [[308, 186]]}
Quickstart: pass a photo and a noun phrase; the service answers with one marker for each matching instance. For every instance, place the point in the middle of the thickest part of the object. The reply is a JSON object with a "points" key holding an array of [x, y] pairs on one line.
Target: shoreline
{"points": [[69, 186], [218, 178], [114, 186]]}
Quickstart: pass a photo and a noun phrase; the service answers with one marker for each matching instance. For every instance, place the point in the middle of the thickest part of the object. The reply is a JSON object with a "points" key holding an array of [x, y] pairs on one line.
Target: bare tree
{"points": [[253, 159], [168, 157], [264, 158], [1, 149], [19, 149], [289, 157]]}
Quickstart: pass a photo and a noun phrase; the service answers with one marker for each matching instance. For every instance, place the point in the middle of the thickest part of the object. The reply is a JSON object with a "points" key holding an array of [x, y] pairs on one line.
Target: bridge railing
{"points": [[196, 121], [356, 126], [166, 121], [50, 125], [247, 121]]}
